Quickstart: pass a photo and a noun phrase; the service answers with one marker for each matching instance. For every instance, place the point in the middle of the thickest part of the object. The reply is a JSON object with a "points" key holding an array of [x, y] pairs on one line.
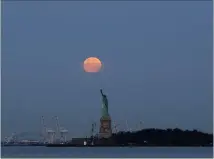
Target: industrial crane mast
{"points": [[61, 131], [141, 125], [57, 126], [93, 128], [44, 129], [127, 126], [115, 126]]}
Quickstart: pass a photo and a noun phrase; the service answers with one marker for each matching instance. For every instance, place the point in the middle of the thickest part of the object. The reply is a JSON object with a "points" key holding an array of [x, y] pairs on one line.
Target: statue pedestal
{"points": [[105, 127]]}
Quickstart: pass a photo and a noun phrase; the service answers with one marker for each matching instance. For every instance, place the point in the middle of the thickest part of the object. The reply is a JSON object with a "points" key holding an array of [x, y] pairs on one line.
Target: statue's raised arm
{"points": [[101, 91]]}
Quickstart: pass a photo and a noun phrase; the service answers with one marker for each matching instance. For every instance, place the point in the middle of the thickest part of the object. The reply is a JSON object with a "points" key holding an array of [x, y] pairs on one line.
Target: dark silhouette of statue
{"points": [[104, 104]]}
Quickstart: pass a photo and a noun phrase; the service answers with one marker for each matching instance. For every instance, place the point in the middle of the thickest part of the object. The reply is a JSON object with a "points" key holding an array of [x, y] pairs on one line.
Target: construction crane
{"points": [[63, 134], [115, 127], [51, 135], [44, 130], [93, 128], [61, 131], [10, 138], [93, 132], [48, 134], [127, 127], [57, 126], [141, 125]]}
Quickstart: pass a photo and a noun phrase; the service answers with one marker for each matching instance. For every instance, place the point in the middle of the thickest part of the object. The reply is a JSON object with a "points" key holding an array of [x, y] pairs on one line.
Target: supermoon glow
{"points": [[92, 64]]}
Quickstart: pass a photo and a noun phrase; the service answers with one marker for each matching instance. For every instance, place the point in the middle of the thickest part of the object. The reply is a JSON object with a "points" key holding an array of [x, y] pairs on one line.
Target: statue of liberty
{"points": [[105, 120], [104, 105]]}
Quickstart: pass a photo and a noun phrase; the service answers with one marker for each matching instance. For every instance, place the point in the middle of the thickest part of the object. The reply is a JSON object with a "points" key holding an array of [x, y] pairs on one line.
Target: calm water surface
{"points": [[166, 152]]}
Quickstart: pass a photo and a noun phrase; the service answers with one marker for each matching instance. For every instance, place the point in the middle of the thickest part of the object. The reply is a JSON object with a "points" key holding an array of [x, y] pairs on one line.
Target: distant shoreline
{"points": [[67, 145], [59, 145], [143, 138]]}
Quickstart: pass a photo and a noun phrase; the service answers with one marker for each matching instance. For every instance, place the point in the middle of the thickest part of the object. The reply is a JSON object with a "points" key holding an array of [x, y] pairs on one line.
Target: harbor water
{"points": [[104, 152]]}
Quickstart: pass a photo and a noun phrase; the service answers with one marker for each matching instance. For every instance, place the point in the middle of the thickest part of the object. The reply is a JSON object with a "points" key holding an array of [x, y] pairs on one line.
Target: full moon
{"points": [[92, 64]]}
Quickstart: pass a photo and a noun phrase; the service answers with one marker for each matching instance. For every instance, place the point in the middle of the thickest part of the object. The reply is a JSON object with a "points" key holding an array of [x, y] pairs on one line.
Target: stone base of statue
{"points": [[105, 127]]}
